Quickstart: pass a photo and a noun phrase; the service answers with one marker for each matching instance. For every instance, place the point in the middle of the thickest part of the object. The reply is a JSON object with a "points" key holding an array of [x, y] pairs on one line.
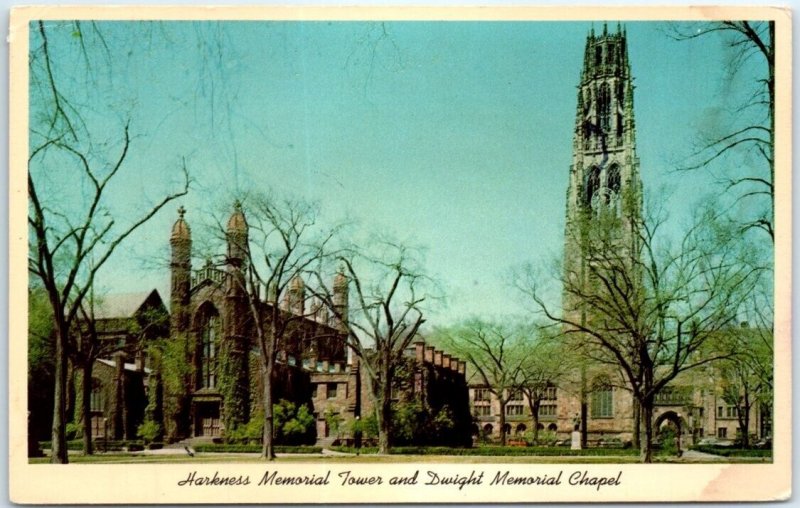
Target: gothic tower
{"points": [[604, 176], [603, 209], [234, 376], [177, 421], [181, 269]]}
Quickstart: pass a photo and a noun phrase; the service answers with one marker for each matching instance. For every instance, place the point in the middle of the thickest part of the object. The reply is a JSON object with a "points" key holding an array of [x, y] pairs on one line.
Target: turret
{"points": [[340, 300], [236, 234], [235, 345], [297, 295], [181, 272]]}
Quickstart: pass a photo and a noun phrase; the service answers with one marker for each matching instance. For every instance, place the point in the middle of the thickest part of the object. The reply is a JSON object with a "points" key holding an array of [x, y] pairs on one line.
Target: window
{"points": [[550, 393], [514, 410], [331, 390], [592, 187], [96, 397], [482, 394], [209, 334], [732, 411], [547, 410], [722, 432], [720, 411], [602, 402], [515, 395], [604, 107], [483, 410]]}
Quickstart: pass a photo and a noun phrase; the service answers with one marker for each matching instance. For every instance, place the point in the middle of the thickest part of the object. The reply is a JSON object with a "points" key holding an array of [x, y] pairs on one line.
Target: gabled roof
{"points": [[123, 305]]}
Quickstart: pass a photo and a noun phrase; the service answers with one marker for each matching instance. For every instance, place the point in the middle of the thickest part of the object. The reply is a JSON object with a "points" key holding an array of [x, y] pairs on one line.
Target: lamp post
{"points": [[357, 435], [105, 434]]}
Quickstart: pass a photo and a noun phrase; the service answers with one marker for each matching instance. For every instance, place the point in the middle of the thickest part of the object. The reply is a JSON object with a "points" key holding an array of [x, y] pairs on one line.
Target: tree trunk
{"points": [[86, 406], [647, 450], [637, 425], [59, 435], [384, 412], [502, 423], [744, 423], [268, 448], [535, 413]]}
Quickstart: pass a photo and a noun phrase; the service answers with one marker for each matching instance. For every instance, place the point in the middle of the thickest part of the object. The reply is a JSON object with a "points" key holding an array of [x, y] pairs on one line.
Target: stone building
{"points": [[209, 311], [604, 180]]}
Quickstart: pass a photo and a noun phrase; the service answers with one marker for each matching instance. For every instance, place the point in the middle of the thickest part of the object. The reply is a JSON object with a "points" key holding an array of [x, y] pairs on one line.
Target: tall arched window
{"points": [[614, 180], [592, 187], [96, 402], [209, 344], [604, 107], [602, 403]]}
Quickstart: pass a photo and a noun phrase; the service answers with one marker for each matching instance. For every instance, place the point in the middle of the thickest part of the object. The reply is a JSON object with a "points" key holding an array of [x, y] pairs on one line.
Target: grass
{"points": [[254, 448], [205, 458], [501, 451]]}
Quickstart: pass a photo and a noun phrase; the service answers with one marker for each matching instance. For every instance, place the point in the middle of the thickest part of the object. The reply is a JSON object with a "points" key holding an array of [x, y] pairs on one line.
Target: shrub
{"points": [[74, 431], [148, 431]]}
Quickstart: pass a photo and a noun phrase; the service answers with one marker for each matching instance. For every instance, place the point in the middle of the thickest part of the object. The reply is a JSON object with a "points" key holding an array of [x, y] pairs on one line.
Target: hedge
{"points": [[729, 451], [253, 448], [100, 445], [494, 450]]}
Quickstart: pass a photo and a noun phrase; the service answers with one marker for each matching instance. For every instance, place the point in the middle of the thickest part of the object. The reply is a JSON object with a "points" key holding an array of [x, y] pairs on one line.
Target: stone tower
{"points": [[181, 271], [604, 178], [234, 376], [603, 206], [177, 421]]}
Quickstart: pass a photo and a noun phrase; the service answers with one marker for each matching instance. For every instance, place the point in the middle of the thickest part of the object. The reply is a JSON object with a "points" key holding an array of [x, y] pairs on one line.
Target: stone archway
{"points": [[674, 421]]}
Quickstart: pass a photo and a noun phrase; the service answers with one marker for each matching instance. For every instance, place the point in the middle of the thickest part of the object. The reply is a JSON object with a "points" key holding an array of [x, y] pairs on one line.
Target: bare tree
{"points": [[745, 376], [496, 351], [648, 308], [69, 243], [753, 129], [269, 253], [382, 317], [545, 362]]}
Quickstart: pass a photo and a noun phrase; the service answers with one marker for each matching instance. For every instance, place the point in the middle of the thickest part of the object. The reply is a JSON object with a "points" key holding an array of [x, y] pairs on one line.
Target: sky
{"points": [[454, 136]]}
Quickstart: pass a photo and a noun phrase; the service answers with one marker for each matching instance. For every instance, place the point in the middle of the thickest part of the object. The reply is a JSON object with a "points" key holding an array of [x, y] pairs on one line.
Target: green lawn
{"points": [[207, 458]]}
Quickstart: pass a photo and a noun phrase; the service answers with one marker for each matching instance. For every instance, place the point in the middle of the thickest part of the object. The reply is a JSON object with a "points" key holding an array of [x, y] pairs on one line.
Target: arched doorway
{"points": [[670, 425]]}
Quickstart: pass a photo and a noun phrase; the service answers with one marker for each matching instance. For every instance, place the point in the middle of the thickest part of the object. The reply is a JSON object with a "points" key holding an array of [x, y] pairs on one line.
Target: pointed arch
{"points": [[604, 107], [592, 186], [207, 327]]}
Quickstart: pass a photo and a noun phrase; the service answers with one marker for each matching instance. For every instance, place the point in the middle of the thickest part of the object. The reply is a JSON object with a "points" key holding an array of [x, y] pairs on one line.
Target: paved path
{"points": [[694, 455]]}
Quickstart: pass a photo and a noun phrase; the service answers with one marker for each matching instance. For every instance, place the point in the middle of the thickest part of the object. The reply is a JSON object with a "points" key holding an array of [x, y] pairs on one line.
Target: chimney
{"points": [[462, 367], [437, 358], [454, 364], [429, 354], [325, 365], [419, 351], [446, 361]]}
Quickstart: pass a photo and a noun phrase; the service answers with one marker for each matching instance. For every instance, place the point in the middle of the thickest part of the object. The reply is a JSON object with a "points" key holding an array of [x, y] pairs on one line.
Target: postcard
{"points": [[403, 255]]}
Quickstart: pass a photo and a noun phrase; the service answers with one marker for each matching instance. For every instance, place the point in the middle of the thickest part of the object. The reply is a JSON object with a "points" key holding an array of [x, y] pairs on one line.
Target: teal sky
{"points": [[451, 135]]}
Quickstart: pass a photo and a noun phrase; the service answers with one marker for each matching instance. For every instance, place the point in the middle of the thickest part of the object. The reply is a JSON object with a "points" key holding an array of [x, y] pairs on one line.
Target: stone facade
{"points": [[210, 312]]}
